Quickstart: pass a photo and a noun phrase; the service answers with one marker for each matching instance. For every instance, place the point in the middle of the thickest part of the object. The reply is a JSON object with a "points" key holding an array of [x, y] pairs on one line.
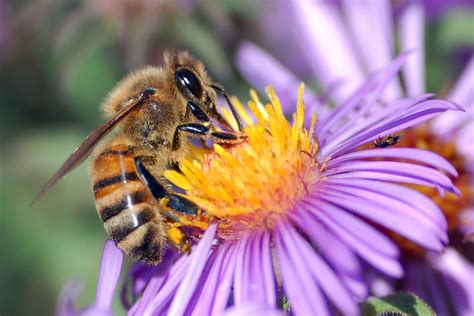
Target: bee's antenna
{"points": [[236, 115]]}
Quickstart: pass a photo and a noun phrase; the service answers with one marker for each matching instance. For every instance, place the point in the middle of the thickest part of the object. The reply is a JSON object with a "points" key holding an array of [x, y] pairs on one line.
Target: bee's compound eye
{"points": [[186, 80]]}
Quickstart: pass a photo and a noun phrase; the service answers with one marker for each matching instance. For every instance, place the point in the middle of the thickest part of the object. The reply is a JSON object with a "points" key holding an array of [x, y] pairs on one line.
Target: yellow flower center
{"points": [[249, 186]]}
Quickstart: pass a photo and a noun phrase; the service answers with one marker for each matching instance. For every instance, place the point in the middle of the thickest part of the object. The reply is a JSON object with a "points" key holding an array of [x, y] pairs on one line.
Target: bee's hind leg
{"points": [[178, 238], [176, 203], [176, 234]]}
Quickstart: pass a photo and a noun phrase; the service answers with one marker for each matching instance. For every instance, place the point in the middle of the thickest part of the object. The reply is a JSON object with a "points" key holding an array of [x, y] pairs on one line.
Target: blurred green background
{"points": [[58, 59]]}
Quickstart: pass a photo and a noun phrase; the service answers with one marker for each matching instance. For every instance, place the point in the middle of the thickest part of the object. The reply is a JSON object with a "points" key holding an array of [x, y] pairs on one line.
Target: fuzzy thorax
{"points": [[250, 186]]}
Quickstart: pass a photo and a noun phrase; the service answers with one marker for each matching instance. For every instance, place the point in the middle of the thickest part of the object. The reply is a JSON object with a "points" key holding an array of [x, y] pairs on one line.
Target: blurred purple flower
{"points": [[109, 275], [441, 280], [334, 39]]}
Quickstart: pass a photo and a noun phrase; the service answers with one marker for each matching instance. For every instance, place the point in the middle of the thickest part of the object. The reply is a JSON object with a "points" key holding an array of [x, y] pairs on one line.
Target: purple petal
{"points": [[413, 198], [387, 177], [267, 271], [387, 216], [304, 295], [392, 124], [205, 300], [357, 286], [140, 276], [252, 309], [412, 37], [420, 155], [110, 268], [465, 143], [109, 275], [397, 205], [325, 276], [428, 175], [211, 264], [241, 269], [370, 252], [443, 281], [415, 277], [371, 89], [135, 281], [467, 221], [463, 92], [67, 298], [226, 278], [161, 286], [253, 279], [337, 253], [438, 299], [447, 125], [364, 232], [196, 266], [379, 285], [374, 18], [262, 70], [458, 274], [395, 123], [356, 123], [343, 259], [326, 46]]}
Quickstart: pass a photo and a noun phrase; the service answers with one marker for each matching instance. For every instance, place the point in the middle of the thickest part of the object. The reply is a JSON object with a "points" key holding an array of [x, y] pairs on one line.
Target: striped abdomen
{"points": [[126, 206]]}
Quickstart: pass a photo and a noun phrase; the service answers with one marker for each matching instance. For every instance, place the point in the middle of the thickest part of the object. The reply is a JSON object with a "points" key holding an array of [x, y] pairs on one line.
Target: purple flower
{"points": [[335, 36], [292, 210]]}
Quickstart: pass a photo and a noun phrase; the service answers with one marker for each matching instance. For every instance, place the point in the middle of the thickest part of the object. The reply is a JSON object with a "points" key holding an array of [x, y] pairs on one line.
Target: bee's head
{"points": [[189, 77]]}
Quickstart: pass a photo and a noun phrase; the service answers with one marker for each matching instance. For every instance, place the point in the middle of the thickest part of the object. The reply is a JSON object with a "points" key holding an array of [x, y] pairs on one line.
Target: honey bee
{"points": [[390, 140], [155, 112]]}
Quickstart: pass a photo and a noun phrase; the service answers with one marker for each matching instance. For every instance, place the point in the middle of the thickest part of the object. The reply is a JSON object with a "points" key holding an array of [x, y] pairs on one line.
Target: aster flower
{"points": [[291, 212], [336, 36]]}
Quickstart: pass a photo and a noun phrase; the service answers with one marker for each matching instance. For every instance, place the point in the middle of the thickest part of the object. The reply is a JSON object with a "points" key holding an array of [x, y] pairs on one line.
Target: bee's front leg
{"points": [[203, 129]]}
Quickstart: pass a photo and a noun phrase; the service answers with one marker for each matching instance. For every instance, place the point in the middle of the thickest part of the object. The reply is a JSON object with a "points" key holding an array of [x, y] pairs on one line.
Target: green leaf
{"points": [[399, 304]]}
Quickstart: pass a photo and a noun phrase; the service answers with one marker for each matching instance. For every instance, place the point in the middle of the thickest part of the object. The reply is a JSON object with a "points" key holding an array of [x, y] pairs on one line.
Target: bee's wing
{"points": [[86, 147]]}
